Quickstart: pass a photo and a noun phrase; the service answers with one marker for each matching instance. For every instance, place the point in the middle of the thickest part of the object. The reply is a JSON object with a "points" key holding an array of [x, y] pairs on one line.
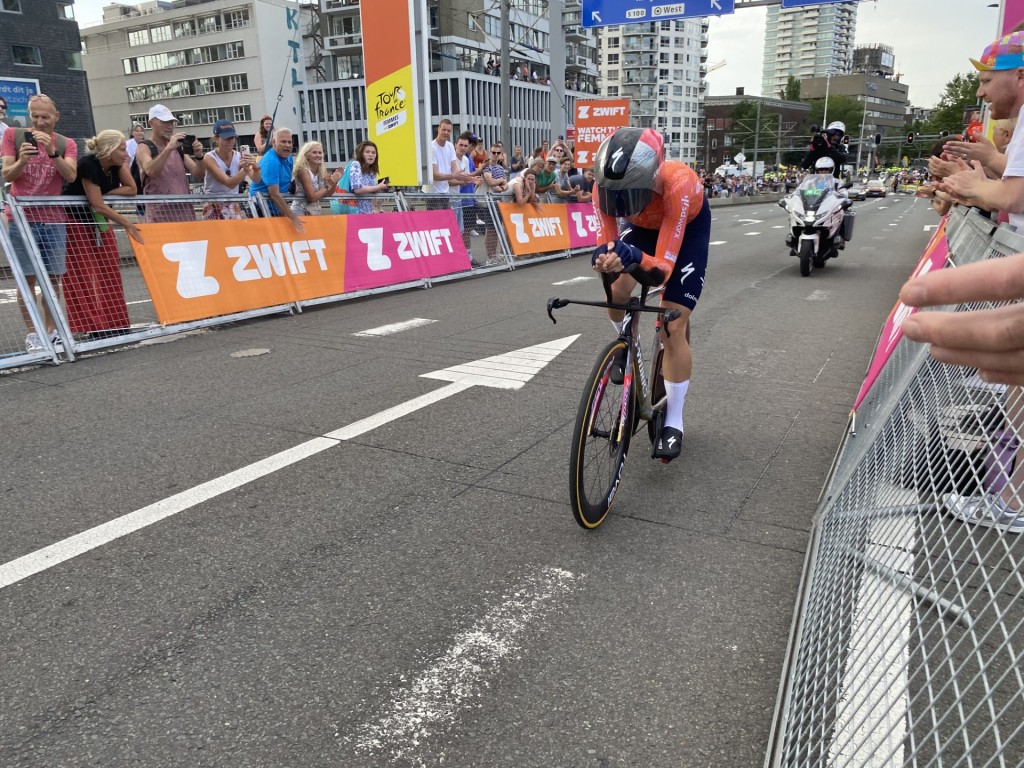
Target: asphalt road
{"points": [[415, 592]]}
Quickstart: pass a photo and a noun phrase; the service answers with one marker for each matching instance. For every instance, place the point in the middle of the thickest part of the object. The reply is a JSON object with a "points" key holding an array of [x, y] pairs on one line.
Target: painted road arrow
{"points": [[509, 371]]}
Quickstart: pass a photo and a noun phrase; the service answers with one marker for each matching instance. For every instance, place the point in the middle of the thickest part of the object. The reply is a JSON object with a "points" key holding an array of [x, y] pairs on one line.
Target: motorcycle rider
{"points": [[827, 143], [825, 178]]}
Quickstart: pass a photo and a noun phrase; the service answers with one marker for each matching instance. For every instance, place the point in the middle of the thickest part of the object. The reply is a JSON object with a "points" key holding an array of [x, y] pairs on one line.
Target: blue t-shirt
{"points": [[274, 170]]}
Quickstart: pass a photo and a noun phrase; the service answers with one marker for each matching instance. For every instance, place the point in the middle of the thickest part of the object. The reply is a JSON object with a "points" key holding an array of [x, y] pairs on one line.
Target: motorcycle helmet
{"points": [[836, 128], [824, 165], [624, 169]]}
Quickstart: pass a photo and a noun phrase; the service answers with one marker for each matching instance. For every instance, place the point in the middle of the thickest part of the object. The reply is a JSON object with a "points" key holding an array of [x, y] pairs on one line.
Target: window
{"points": [[209, 24], [27, 55], [471, 22], [66, 11], [161, 34], [236, 19], [184, 28], [11, 6], [613, 42], [138, 37], [72, 59], [613, 90], [613, 58]]}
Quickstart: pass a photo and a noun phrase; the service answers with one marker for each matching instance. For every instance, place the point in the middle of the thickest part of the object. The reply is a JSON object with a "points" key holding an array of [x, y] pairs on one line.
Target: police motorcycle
{"points": [[820, 221]]}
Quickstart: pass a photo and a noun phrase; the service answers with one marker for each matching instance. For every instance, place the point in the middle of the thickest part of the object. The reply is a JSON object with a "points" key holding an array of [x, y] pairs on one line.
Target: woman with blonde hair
{"points": [[363, 173], [312, 183], [93, 291]]}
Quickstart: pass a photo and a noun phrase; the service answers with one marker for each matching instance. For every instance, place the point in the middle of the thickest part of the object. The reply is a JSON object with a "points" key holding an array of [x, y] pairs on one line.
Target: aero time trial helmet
{"points": [[824, 165], [625, 168]]}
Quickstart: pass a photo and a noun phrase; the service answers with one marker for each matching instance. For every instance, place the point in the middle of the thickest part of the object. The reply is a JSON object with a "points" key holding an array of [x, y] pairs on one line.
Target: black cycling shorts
{"points": [[685, 284]]}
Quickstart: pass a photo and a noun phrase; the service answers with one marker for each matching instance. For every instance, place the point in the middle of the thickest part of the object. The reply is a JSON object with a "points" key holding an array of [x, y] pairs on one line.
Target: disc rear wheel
{"points": [[600, 440]]}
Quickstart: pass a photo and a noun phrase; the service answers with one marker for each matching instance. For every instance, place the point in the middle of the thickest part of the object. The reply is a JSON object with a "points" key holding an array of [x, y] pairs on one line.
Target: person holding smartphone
{"points": [[363, 177], [226, 169], [165, 165]]}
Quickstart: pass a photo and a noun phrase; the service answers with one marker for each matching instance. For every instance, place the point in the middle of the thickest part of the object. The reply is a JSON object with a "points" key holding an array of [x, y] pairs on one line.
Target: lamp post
{"points": [[828, 82]]}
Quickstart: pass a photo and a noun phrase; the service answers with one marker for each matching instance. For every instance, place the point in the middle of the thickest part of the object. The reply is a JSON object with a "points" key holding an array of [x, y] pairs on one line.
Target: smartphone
{"points": [[30, 139], [385, 180], [187, 142], [245, 150]]}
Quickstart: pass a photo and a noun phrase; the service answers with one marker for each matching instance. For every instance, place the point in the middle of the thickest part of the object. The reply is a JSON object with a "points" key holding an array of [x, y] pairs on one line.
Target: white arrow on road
{"points": [[749, 221], [509, 371]]}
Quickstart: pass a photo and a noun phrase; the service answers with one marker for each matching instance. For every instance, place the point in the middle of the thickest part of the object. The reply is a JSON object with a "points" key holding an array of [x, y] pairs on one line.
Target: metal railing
{"points": [[907, 638]]}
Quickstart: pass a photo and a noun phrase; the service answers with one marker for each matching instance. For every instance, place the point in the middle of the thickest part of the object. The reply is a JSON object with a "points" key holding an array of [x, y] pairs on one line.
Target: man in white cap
{"points": [[164, 163]]}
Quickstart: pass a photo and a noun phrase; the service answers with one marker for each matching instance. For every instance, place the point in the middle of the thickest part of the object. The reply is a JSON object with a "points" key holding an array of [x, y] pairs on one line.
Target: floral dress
{"points": [[359, 179]]}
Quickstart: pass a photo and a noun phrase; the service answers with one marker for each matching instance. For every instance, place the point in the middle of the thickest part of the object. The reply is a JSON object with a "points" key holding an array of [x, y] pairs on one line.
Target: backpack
{"points": [[136, 171], [19, 139]]}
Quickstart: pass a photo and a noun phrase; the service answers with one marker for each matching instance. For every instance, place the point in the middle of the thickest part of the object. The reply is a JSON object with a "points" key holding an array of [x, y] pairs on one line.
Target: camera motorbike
{"points": [[820, 220]]}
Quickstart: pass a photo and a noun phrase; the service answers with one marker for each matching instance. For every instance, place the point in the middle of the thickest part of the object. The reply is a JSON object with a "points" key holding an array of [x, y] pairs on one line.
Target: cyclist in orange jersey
{"points": [[664, 240]]}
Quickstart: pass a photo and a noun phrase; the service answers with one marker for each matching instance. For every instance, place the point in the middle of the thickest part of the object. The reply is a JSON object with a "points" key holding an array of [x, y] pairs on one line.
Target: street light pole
{"points": [[824, 115], [860, 142]]}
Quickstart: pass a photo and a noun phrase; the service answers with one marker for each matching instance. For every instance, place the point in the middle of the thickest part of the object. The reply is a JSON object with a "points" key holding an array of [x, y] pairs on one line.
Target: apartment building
{"points": [[206, 60], [807, 42], [40, 52], [660, 67], [463, 56]]}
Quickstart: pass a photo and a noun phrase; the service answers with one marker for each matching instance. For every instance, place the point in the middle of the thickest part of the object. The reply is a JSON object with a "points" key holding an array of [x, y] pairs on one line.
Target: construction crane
{"points": [[716, 65]]}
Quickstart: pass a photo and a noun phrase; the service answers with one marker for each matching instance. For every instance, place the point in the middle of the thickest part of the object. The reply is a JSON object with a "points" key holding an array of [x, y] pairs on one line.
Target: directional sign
{"points": [[802, 3], [601, 13]]}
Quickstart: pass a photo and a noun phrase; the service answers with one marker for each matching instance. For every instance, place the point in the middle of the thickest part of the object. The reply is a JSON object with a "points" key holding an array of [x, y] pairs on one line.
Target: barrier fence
{"points": [[908, 634], [233, 261]]}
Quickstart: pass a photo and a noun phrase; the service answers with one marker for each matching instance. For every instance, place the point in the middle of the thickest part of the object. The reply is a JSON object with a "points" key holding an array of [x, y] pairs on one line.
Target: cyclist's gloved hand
{"points": [[629, 255], [601, 250]]}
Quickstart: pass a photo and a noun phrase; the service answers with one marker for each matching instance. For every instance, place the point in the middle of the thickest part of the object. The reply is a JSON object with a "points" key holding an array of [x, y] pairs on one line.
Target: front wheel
{"points": [[806, 254], [600, 440]]}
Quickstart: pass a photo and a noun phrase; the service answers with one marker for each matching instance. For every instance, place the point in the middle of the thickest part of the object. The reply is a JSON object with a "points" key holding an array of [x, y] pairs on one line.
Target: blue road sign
{"points": [[601, 13], [802, 3]]}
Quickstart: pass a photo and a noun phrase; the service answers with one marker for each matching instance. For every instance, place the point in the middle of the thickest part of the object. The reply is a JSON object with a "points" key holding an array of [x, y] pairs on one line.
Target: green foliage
{"points": [[960, 94], [844, 108], [792, 90]]}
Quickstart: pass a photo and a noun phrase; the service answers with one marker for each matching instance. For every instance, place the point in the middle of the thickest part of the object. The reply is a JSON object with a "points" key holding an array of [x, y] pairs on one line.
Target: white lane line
{"points": [[425, 708], [930, 227], [140, 301], [717, 242], [362, 426], [751, 234], [387, 330], [779, 226], [894, 225], [819, 295], [575, 280]]}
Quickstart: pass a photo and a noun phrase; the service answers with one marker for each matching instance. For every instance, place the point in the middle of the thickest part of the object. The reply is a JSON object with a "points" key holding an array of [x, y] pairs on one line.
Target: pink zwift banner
{"points": [[934, 258], [583, 225], [386, 249]]}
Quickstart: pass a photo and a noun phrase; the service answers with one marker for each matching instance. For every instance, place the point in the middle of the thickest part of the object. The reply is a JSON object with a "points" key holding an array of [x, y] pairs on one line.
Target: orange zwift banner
{"points": [[535, 229], [391, 68], [596, 120]]}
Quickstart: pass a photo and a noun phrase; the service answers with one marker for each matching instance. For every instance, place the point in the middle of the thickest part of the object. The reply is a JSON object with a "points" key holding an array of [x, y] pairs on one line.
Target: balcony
{"points": [[576, 34], [577, 64], [338, 42], [337, 5], [704, 40]]}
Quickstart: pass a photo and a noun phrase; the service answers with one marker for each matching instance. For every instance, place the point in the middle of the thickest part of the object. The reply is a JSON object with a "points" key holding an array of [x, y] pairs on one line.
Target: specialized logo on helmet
{"points": [[619, 155]]}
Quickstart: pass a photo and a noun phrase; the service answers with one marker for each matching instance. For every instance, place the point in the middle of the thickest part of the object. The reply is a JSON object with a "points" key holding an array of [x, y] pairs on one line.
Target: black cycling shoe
{"points": [[669, 444], [617, 374]]}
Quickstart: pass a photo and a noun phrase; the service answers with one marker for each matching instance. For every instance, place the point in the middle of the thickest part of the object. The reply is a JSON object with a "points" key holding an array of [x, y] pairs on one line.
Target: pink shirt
{"points": [[39, 177]]}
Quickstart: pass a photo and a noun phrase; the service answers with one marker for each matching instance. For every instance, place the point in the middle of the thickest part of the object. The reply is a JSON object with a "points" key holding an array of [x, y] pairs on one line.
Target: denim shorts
{"points": [[50, 239]]}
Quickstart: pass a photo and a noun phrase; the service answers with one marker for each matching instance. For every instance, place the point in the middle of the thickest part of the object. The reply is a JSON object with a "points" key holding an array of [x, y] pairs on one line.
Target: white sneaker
{"points": [[988, 511], [33, 343], [55, 339]]}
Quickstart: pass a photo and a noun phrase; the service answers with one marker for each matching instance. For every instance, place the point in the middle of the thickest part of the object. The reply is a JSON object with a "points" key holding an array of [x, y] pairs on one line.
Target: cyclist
{"points": [[828, 143], [660, 201]]}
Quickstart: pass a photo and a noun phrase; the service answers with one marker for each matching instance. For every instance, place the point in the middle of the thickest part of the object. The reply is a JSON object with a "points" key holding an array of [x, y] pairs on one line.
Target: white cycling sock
{"points": [[676, 391], [618, 325]]}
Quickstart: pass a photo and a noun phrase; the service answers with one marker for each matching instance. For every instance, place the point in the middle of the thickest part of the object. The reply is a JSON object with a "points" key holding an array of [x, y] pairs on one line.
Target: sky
{"points": [[932, 40]]}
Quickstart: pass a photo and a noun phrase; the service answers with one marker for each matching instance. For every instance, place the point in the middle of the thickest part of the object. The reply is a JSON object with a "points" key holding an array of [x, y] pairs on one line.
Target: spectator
{"points": [[3, 117], [563, 185], [276, 175], [538, 154], [462, 207], [312, 182], [544, 144], [93, 291], [138, 135], [584, 184], [524, 187], [165, 162], [443, 168], [494, 173], [546, 178], [39, 166], [1001, 80], [364, 176], [518, 162], [262, 137], [478, 154], [226, 169]]}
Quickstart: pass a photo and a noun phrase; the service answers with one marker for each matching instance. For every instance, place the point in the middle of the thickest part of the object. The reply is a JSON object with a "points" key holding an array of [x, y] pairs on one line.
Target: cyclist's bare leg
{"points": [[621, 290], [677, 365]]}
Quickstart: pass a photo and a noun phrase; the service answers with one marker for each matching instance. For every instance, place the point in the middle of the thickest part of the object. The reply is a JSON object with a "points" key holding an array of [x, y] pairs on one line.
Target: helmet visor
{"points": [[623, 202]]}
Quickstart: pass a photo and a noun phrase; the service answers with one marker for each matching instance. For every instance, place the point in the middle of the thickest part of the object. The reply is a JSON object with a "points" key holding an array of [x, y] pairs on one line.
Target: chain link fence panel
{"points": [[907, 640]]}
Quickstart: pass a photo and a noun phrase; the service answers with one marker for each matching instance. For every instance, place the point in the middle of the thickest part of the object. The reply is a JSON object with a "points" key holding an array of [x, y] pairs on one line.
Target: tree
{"points": [[960, 94], [792, 90], [846, 109]]}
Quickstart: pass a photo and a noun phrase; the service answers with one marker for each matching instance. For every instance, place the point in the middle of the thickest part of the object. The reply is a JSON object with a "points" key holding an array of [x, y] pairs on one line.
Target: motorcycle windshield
{"points": [[812, 191]]}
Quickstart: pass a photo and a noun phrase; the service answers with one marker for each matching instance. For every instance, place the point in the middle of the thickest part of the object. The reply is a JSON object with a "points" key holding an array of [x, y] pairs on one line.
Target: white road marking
{"points": [[717, 242], [780, 226], [750, 221], [575, 280], [930, 227], [509, 371], [819, 295], [387, 330], [426, 707], [751, 234], [140, 301], [894, 225]]}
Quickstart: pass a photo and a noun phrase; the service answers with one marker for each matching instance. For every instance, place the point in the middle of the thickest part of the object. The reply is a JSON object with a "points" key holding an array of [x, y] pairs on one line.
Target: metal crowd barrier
{"points": [[909, 632]]}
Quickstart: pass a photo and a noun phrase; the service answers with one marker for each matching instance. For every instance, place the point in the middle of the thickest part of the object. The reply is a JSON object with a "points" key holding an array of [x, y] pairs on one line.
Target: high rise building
{"points": [[206, 60], [41, 52], [660, 67], [813, 41], [464, 78]]}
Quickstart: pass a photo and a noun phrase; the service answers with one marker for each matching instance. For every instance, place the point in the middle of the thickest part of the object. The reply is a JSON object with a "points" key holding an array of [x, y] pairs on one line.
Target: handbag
{"points": [[341, 205]]}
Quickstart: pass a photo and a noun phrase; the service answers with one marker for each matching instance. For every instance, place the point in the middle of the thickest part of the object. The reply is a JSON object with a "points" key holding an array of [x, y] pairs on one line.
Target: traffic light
{"points": [[878, 139], [910, 138]]}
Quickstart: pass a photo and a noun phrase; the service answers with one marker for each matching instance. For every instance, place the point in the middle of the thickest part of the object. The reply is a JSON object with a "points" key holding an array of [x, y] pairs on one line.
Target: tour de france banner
{"points": [[596, 120], [390, 87], [553, 227], [934, 258], [216, 268]]}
